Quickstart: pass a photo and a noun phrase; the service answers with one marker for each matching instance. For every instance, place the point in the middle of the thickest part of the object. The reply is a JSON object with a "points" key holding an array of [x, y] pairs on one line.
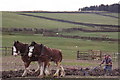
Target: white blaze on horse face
{"points": [[14, 51], [30, 51]]}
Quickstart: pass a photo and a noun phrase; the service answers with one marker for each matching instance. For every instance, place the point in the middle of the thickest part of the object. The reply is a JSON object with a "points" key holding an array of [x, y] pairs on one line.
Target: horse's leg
{"points": [[37, 68], [41, 69], [62, 71], [47, 72], [26, 64], [58, 69]]}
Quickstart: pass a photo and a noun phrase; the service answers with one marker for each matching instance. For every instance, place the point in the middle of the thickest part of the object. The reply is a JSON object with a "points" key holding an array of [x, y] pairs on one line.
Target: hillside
{"points": [[14, 20], [80, 17]]}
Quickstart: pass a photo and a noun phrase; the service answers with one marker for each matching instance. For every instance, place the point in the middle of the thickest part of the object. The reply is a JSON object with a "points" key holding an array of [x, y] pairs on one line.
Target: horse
{"points": [[22, 49], [47, 55]]}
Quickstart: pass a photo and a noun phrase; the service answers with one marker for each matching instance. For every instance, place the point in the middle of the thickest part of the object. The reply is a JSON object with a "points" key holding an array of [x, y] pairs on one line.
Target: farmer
{"points": [[108, 64]]}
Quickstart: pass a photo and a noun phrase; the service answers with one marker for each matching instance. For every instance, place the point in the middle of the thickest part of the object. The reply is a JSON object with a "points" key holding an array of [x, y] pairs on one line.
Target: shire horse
{"points": [[47, 55], [22, 49]]}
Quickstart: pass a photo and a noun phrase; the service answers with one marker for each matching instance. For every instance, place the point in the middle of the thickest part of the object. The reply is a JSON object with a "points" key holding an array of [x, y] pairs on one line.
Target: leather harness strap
{"points": [[24, 53], [42, 50]]}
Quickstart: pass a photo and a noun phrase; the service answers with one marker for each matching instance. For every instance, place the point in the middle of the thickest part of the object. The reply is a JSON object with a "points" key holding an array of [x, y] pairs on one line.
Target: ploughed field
{"points": [[69, 71], [13, 67]]}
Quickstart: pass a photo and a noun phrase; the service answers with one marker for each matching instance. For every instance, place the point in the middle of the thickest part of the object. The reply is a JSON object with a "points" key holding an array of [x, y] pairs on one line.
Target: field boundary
{"points": [[89, 55], [6, 50], [82, 37], [41, 30], [92, 12], [106, 15], [53, 33]]}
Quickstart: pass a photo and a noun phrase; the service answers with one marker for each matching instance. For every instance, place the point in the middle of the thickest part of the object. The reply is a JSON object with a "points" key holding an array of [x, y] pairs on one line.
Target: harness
{"points": [[25, 53], [42, 49], [42, 52]]}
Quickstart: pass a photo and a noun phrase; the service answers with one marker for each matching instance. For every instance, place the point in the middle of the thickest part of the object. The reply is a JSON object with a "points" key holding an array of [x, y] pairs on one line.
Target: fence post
{"points": [[100, 55], [116, 56], [5, 51], [78, 52]]}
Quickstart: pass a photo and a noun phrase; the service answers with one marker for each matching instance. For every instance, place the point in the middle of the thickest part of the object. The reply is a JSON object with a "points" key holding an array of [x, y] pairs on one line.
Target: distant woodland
{"points": [[110, 8]]}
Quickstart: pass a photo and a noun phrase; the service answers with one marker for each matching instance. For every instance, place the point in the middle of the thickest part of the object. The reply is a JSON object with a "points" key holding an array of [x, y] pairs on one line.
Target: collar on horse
{"points": [[26, 51]]}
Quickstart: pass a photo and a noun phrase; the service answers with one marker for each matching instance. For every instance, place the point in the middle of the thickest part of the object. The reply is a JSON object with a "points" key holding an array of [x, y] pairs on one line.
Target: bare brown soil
{"points": [[15, 63], [13, 67]]}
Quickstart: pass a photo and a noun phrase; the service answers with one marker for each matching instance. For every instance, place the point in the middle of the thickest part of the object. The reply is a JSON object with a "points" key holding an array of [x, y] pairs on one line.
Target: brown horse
{"points": [[22, 49], [47, 55]]}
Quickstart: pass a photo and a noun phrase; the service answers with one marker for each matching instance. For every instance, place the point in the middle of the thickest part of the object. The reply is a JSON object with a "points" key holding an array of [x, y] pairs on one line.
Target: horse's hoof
{"points": [[62, 75], [40, 76], [55, 75], [23, 75]]}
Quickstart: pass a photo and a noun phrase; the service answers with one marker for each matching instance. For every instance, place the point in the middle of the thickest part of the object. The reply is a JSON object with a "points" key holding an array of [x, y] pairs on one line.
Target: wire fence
{"points": [[7, 51], [96, 55]]}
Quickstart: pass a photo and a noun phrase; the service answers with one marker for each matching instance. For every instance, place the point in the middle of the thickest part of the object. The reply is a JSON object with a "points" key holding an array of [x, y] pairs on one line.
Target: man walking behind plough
{"points": [[108, 65]]}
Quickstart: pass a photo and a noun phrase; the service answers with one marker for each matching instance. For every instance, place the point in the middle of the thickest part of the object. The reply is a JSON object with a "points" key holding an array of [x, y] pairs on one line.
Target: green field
{"points": [[93, 34], [112, 14], [68, 46], [80, 17], [13, 20]]}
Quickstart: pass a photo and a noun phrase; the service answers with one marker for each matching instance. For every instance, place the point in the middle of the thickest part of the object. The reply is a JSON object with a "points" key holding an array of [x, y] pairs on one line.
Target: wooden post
{"points": [[5, 51], [78, 52], [101, 55], [114, 57]]}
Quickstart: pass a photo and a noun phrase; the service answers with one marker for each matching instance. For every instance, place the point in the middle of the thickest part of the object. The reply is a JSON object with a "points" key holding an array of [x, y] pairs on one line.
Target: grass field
{"points": [[112, 14], [13, 20], [93, 34], [68, 46], [82, 17]]}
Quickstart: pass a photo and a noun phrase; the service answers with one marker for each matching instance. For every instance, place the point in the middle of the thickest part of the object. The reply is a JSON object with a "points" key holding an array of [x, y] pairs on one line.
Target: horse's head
{"points": [[34, 48], [16, 48], [33, 43]]}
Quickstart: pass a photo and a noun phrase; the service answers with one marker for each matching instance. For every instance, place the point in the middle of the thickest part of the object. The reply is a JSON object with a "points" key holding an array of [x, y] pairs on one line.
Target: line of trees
{"points": [[110, 8]]}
